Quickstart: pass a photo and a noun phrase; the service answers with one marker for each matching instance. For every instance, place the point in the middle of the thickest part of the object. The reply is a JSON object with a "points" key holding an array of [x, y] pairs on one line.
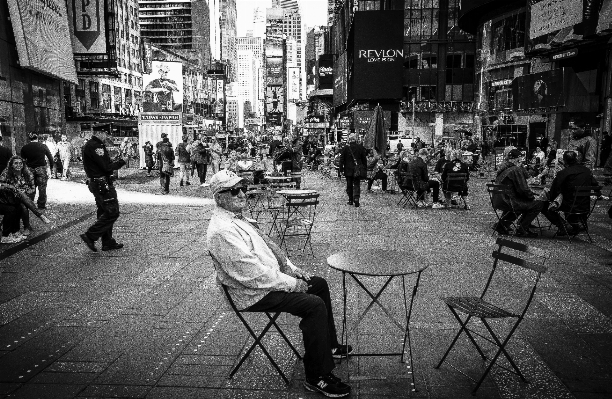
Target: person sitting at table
{"points": [[260, 278], [522, 200], [404, 181], [573, 175], [455, 165], [417, 169], [375, 170]]}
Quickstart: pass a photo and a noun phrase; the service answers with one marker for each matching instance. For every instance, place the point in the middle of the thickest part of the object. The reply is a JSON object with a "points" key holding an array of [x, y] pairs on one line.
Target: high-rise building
{"points": [[315, 46], [292, 27], [249, 68], [215, 29], [228, 36], [259, 22], [293, 5]]}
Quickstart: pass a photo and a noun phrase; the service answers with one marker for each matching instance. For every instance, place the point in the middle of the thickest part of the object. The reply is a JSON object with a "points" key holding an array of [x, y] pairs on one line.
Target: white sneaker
{"points": [[26, 232], [204, 185], [19, 236], [437, 205], [421, 204], [9, 239]]}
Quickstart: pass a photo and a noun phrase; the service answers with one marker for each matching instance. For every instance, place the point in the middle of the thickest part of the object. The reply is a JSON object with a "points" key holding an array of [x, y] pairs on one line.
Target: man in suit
{"points": [[353, 161]]}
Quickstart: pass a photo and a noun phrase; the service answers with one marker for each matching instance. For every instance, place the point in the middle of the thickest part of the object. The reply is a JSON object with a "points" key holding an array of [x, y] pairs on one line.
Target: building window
{"points": [[508, 33]]}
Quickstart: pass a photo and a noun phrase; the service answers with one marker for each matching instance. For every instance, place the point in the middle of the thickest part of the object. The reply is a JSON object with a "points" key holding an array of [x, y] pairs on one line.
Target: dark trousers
{"points": [[10, 220], [526, 213], [108, 211], [353, 188], [380, 175], [164, 181], [202, 170], [431, 185], [40, 181], [317, 325]]}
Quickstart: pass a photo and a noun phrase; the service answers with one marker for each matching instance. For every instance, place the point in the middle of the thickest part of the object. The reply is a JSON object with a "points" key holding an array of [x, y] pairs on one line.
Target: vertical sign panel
{"points": [[88, 26], [293, 83]]}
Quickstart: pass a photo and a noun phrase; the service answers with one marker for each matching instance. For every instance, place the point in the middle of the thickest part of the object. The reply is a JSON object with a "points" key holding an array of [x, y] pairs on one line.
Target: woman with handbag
{"points": [[353, 163]]}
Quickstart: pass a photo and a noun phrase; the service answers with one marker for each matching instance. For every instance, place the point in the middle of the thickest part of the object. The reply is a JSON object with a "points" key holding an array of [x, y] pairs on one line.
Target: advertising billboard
{"points": [[325, 72], [163, 88], [42, 36], [274, 71], [552, 15], [340, 87], [88, 26], [539, 90], [275, 99], [293, 83], [378, 59]]}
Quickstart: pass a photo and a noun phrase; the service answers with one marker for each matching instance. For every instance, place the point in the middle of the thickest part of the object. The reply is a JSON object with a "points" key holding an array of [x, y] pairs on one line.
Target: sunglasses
{"points": [[235, 191]]}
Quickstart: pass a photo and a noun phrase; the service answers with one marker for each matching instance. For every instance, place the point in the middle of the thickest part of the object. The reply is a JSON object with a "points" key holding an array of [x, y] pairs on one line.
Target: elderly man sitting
{"points": [[521, 200], [260, 278]]}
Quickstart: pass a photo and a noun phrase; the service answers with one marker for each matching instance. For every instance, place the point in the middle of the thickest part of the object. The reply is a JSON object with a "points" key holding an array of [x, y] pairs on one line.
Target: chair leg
{"points": [[273, 321], [462, 329]]}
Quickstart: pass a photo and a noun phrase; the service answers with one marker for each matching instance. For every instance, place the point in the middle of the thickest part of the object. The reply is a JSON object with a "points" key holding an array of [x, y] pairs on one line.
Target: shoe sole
{"points": [[91, 245], [314, 388]]}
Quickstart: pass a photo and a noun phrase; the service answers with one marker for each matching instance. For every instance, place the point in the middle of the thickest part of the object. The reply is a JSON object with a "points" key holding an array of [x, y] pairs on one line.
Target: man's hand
{"points": [[300, 286], [301, 274]]}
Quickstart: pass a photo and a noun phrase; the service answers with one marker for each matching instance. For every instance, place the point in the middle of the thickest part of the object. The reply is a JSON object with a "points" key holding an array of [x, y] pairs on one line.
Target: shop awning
{"points": [[559, 90]]}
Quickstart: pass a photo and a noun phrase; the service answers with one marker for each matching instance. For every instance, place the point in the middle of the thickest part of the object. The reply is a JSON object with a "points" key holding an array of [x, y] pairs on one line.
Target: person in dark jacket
{"points": [[353, 157], [148, 153], [417, 168], [99, 169], [455, 165], [573, 175], [512, 174], [10, 208], [34, 153], [165, 159], [184, 160], [5, 155]]}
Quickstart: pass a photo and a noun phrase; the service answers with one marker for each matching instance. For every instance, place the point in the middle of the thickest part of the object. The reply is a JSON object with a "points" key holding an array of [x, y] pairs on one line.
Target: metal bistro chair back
{"points": [[300, 216], [276, 202], [257, 338], [500, 189], [581, 196], [453, 181], [484, 307], [256, 197]]}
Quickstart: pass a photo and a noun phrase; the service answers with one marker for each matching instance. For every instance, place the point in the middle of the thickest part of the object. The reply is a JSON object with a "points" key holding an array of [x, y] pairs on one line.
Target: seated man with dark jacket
{"points": [[573, 175], [455, 165], [522, 200], [421, 181]]}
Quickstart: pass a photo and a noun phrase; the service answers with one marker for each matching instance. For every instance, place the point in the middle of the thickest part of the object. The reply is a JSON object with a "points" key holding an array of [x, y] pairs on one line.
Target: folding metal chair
{"points": [[272, 316], [300, 216], [409, 196], [581, 197], [276, 202], [487, 306], [455, 183], [500, 189], [256, 197]]}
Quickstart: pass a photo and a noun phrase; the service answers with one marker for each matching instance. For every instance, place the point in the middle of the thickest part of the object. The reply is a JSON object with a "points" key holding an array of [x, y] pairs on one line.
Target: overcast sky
{"points": [[314, 13]]}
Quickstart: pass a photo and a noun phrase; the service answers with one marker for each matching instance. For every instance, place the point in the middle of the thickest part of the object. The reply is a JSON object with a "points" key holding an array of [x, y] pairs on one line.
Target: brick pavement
{"points": [[148, 321]]}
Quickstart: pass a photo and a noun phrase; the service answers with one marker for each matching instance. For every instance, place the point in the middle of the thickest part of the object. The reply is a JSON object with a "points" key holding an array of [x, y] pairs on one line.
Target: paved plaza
{"points": [[149, 322]]}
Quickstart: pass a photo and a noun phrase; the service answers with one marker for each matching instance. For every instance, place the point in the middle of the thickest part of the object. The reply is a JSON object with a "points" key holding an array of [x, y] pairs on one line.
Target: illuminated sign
{"points": [[566, 54], [43, 37], [503, 82], [293, 83]]}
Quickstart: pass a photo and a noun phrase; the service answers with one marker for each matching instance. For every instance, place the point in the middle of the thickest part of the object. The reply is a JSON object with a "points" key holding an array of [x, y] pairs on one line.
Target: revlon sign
{"points": [[378, 55]]}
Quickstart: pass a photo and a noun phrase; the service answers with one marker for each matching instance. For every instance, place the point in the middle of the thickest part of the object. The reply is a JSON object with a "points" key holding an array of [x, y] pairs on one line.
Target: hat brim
{"points": [[229, 184]]}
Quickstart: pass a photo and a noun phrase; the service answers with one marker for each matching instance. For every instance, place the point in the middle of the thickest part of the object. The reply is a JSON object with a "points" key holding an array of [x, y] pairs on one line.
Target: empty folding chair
{"points": [[492, 305], [300, 215], [455, 183], [504, 215], [257, 338], [580, 211]]}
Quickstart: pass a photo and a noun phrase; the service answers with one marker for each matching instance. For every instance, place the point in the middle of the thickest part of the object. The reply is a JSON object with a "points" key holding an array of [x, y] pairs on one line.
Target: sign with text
{"points": [[566, 54], [293, 83], [325, 72], [340, 86], [88, 26], [170, 118], [551, 15], [538, 90], [274, 71], [378, 55], [42, 36], [275, 99]]}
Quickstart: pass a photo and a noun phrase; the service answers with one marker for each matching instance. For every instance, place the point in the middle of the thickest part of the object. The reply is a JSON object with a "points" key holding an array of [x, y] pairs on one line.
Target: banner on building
{"points": [[275, 99], [147, 55], [274, 71], [340, 86], [325, 72], [42, 36], [552, 15], [163, 88], [378, 63], [88, 26], [293, 83], [539, 90]]}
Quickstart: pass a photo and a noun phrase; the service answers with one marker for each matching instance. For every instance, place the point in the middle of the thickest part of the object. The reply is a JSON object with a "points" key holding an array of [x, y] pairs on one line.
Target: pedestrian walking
{"points": [[34, 153], [165, 159], [99, 168], [148, 153], [52, 145], [215, 155], [184, 160], [353, 163], [64, 150], [201, 157]]}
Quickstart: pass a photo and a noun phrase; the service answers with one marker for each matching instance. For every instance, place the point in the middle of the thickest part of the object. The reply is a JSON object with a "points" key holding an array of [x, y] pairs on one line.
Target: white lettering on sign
{"points": [[504, 82], [381, 55]]}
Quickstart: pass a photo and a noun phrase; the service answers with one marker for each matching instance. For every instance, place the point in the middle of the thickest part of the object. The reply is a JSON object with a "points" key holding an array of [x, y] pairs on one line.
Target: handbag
{"points": [[359, 169], [168, 168]]}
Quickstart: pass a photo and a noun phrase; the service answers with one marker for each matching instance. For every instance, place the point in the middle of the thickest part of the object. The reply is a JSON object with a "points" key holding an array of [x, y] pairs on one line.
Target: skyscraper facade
{"points": [[249, 68], [292, 28], [228, 36]]}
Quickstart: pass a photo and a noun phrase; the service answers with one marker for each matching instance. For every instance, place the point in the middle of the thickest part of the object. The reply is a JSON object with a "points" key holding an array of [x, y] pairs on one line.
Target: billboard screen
{"points": [[325, 72], [42, 36], [293, 83], [539, 90], [274, 71], [275, 99], [163, 88], [340, 87], [378, 58], [88, 26]]}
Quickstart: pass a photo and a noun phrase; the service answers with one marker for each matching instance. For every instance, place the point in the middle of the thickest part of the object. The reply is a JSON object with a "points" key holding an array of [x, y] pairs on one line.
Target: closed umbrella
{"points": [[377, 134]]}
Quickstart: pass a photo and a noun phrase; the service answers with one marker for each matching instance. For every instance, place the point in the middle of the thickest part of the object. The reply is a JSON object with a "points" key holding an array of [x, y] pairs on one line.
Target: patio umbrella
{"points": [[377, 134]]}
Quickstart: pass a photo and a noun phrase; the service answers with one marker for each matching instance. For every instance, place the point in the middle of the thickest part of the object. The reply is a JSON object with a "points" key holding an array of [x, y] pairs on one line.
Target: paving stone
{"points": [[45, 391], [115, 391]]}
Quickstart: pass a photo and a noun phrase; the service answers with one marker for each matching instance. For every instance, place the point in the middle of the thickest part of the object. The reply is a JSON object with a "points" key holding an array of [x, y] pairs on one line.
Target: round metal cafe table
{"points": [[387, 265]]}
